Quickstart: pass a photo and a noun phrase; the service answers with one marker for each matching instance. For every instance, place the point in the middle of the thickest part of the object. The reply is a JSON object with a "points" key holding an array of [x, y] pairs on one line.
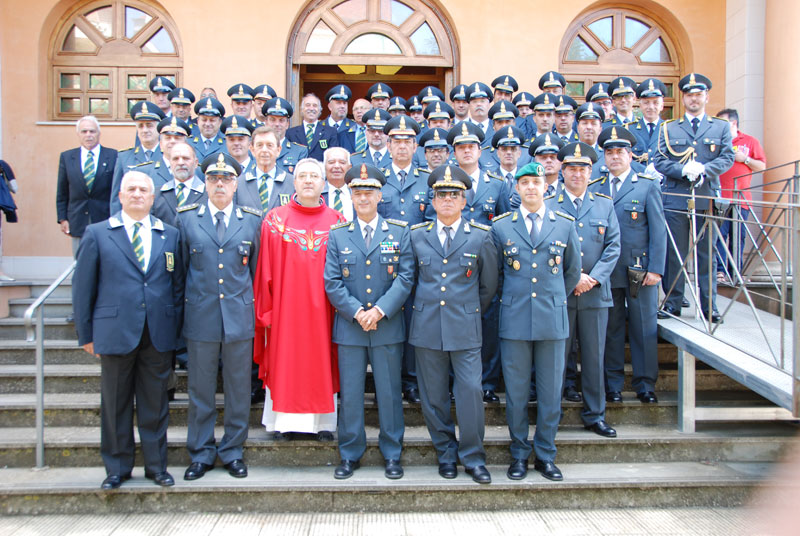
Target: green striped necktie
{"points": [[138, 246], [89, 170], [337, 200], [181, 193], [309, 133], [263, 192]]}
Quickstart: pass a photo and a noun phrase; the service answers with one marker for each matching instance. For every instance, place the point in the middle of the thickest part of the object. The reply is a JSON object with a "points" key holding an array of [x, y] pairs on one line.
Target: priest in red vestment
{"points": [[297, 360]]}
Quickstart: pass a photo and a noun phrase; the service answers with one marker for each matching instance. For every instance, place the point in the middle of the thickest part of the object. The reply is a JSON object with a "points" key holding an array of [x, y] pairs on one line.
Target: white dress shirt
{"points": [[145, 233], [95, 155], [227, 211], [440, 230], [345, 197], [271, 174], [524, 213]]}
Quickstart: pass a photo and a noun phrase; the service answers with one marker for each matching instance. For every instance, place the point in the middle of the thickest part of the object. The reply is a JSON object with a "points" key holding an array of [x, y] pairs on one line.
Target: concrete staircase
{"points": [[649, 464]]}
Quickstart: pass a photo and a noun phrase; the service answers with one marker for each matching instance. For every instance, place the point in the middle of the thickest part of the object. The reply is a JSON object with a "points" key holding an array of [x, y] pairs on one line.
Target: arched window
{"points": [[104, 54], [602, 45], [407, 42]]}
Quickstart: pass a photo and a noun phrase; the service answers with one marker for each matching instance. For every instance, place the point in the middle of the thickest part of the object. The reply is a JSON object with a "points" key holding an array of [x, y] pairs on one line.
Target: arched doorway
{"points": [[602, 44], [407, 44]]}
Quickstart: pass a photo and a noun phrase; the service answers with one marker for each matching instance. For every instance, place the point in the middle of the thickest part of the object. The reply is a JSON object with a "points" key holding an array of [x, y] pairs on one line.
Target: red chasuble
{"points": [[297, 360]]}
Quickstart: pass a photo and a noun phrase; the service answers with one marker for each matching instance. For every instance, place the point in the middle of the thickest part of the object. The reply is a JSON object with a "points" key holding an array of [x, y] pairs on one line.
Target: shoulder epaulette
{"points": [[480, 226], [715, 117], [598, 194], [340, 225], [251, 210], [501, 216], [425, 170], [401, 223], [670, 120], [128, 149], [643, 176], [355, 153], [184, 208], [565, 215], [418, 225], [298, 144], [596, 180], [141, 164], [493, 174], [551, 196]]}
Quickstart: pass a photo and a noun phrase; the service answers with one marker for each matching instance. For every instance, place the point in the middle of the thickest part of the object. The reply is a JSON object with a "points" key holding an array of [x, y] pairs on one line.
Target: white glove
{"points": [[650, 171], [688, 172], [12, 185], [700, 181]]}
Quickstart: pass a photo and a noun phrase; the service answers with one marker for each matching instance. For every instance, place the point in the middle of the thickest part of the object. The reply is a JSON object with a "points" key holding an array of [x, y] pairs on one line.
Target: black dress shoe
{"points": [[448, 470], [490, 396], [601, 428], [479, 474], [532, 397], [685, 303], [548, 470], [571, 394], [613, 396], [114, 481], [345, 469], [324, 435], [393, 469], [412, 395], [196, 470], [648, 397], [668, 312], [518, 469], [162, 479], [257, 395], [170, 395], [282, 436], [716, 318], [71, 320], [237, 468]]}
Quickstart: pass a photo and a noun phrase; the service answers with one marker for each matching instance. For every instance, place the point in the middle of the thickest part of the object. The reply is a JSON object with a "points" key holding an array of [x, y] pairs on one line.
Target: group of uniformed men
{"points": [[497, 232]]}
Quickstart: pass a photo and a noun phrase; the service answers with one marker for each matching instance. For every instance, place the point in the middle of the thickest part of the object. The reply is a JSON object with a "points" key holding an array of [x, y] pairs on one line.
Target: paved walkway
{"points": [[672, 521]]}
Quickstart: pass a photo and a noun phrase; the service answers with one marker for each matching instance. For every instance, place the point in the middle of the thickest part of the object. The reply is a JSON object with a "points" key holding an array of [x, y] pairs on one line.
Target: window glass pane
{"points": [[575, 89], [70, 105], [580, 51], [77, 41], [138, 82], [424, 41], [656, 53], [134, 21], [70, 81], [321, 39], [669, 90], [99, 81], [372, 43], [160, 43], [170, 77], [634, 30], [99, 106], [395, 12], [133, 102], [103, 20], [352, 11], [666, 113], [603, 29]]}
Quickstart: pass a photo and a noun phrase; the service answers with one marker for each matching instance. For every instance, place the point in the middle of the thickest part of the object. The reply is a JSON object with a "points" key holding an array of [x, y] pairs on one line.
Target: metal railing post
{"points": [[795, 322]]}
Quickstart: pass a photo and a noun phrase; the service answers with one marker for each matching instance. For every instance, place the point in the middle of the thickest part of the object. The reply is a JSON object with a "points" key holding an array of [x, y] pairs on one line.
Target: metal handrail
{"points": [[35, 333]]}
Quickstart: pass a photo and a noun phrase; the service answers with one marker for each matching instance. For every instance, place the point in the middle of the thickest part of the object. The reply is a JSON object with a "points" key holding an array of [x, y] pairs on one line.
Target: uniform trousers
{"points": [[143, 374], [678, 223], [642, 335], [203, 369], [433, 368], [588, 327], [386, 364], [517, 357]]}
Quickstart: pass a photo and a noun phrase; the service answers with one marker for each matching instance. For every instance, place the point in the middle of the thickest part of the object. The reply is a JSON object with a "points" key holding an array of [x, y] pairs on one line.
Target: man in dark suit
{"points": [[84, 181], [313, 133], [128, 297], [185, 188]]}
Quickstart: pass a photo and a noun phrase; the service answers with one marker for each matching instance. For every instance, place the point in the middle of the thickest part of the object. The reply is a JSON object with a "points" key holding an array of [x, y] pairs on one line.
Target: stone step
{"points": [[18, 410], [13, 329], [85, 378], [313, 489], [756, 442], [64, 290], [53, 307]]}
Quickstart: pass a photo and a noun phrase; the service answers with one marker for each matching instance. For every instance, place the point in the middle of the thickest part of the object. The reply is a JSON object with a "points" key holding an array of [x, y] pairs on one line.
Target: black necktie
{"points": [[650, 128], [534, 229], [448, 239], [376, 157], [577, 203], [367, 235], [550, 190], [148, 155], [695, 124], [220, 225], [402, 174], [614, 187]]}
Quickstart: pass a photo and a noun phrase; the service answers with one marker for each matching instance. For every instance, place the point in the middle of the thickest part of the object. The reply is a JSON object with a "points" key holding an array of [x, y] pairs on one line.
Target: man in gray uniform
{"points": [[540, 264], [219, 240], [457, 279], [369, 270], [587, 306]]}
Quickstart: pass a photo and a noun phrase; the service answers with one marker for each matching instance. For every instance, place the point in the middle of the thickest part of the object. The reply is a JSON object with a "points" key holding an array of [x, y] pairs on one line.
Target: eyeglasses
{"points": [[225, 179], [446, 195]]}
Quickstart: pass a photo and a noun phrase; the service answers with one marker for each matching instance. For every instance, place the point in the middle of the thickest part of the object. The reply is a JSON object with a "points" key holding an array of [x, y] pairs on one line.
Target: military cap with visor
{"points": [[146, 111], [479, 90], [545, 144], [465, 132], [236, 125], [460, 92], [221, 164], [277, 106], [650, 88], [552, 79], [577, 153], [434, 138], [503, 110], [181, 95], [397, 104], [376, 118], [509, 136], [401, 127], [694, 83], [429, 94], [175, 126], [616, 137], [161, 84], [241, 92], [622, 85], [209, 106], [365, 176], [379, 90], [505, 83], [438, 110], [448, 178], [590, 110], [339, 92]]}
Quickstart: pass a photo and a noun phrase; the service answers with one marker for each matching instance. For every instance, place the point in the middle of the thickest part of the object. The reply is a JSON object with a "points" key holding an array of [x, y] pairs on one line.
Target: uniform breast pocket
{"points": [[489, 207], [712, 145], [389, 267], [421, 201], [556, 258], [385, 205], [196, 256], [678, 142], [243, 250], [599, 228], [347, 266], [639, 258], [635, 213], [511, 256], [469, 264]]}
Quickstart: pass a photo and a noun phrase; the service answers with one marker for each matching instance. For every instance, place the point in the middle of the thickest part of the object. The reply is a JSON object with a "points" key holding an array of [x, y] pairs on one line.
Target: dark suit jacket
{"points": [[324, 137], [74, 202], [113, 298]]}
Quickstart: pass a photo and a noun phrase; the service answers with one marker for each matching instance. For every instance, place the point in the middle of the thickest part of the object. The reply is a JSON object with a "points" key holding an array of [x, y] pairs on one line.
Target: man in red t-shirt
{"points": [[749, 157]]}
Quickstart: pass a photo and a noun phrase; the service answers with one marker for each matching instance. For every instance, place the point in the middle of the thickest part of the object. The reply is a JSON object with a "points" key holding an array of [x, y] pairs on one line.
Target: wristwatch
{"points": [[747, 161]]}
